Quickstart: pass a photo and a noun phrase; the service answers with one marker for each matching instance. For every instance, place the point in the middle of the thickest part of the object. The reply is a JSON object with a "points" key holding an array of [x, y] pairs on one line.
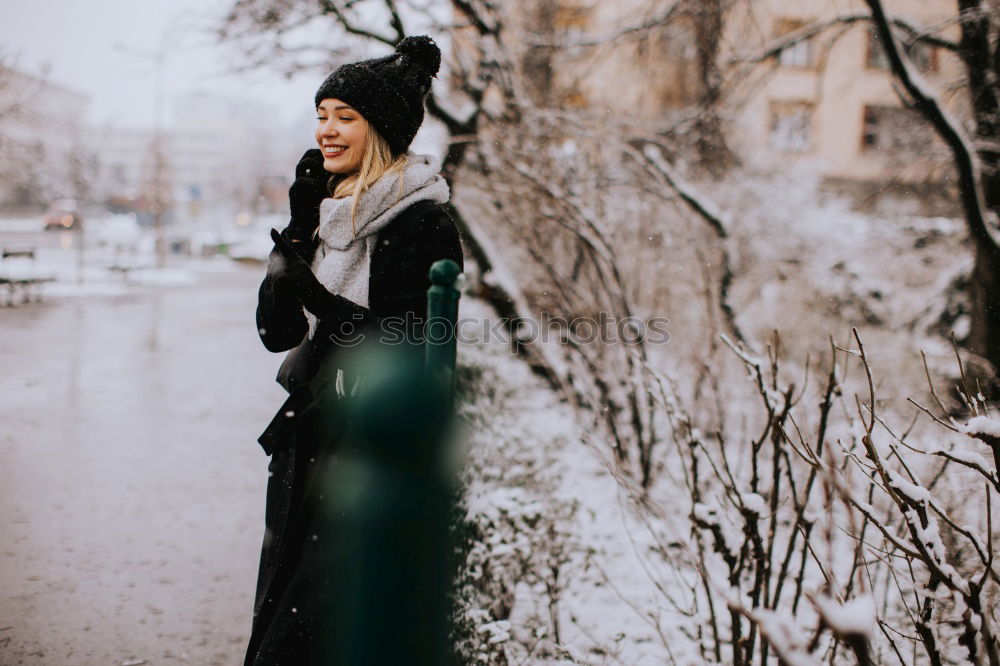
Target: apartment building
{"points": [[831, 98], [828, 100], [41, 139]]}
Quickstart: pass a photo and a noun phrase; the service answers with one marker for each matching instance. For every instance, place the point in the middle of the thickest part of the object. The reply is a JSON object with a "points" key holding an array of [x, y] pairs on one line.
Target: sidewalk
{"points": [[133, 494]]}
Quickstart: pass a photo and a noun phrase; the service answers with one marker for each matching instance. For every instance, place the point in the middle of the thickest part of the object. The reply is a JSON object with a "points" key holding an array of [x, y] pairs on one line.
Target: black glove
{"points": [[311, 165], [305, 195], [304, 247], [277, 264], [288, 265]]}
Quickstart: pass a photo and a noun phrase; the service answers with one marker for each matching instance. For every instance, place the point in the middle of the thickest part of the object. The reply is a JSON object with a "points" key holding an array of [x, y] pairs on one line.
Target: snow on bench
{"points": [[19, 270]]}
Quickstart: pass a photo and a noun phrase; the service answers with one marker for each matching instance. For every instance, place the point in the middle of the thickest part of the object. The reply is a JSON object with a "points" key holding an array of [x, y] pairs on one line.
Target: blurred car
{"points": [[63, 214], [254, 242], [117, 232]]}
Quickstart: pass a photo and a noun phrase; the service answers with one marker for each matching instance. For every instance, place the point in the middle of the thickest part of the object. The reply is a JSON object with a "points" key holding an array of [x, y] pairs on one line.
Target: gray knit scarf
{"points": [[341, 262]]}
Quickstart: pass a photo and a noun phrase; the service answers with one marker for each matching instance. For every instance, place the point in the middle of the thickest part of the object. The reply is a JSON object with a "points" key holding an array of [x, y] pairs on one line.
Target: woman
{"points": [[367, 222]]}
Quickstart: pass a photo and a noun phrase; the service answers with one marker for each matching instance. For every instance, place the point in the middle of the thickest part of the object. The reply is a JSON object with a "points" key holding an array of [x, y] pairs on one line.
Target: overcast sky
{"points": [[82, 43]]}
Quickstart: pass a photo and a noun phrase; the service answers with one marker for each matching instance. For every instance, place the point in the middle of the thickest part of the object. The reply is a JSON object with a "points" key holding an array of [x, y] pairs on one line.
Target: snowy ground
{"points": [[544, 498], [132, 505]]}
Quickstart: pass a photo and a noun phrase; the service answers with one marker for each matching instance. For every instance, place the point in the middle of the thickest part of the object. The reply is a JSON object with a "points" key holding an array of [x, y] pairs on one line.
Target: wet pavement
{"points": [[132, 492]]}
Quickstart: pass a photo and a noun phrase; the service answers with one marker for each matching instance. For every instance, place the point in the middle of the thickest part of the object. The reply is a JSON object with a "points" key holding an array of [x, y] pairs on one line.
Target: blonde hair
{"points": [[377, 160]]}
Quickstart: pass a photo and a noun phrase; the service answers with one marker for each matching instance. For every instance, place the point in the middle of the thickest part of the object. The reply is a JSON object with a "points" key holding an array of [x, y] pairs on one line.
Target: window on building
{"points": [[677, 82], [895, 131], [921, 54], [574, 99], [791, 126], [798, 54], [572, 17]]}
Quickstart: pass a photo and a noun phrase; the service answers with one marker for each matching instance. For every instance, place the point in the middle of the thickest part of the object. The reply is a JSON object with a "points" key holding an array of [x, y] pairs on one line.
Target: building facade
{"points": [[831, 98], [828, 99], [42, 154], [217, 158]]}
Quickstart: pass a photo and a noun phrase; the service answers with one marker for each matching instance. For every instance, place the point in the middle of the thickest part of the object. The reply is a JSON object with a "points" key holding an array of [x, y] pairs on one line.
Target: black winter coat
{"points": [[295, 439]]}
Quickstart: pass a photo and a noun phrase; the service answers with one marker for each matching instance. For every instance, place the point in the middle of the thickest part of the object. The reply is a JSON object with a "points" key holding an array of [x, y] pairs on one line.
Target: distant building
{"points": [[125, 171], [828, 99], [225, 151], [219, 157], [41, 152], [831, 98]]}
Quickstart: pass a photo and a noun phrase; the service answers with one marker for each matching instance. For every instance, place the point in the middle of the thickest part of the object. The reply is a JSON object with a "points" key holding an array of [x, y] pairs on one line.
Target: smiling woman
{"points": [[368, 221]]}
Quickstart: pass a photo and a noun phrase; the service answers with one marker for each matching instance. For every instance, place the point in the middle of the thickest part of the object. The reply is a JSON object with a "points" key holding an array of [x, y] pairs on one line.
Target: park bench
{"points": [[21, 274], [125, 269], [122, 270]]}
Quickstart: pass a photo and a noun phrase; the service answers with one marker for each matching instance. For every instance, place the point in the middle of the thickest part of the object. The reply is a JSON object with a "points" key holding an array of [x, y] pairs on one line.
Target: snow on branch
{"points": [[853, 621], [652, 152], [911, 492], [972, 460], [983, 428], [727, 544], [749, 360], [791, 547], [783, 634]]}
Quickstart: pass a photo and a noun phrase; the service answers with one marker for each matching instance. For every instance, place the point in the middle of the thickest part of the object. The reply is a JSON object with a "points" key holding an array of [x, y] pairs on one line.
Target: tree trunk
{"points": [[984, 287], [983, 67], [984, 92], [713, 151]]}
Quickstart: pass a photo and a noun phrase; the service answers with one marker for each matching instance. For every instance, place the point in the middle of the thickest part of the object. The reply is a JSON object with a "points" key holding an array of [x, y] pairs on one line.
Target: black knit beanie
{"points": [[389, 92]]}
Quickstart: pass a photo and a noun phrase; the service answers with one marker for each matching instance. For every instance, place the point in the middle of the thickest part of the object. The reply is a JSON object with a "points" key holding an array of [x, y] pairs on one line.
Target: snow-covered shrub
{"points": [[832, 532], [510, 531]]}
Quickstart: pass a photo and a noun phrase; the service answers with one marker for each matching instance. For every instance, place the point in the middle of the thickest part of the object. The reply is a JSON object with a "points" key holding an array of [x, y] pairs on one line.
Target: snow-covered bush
{"points": [[510, 531], [833, 532]]}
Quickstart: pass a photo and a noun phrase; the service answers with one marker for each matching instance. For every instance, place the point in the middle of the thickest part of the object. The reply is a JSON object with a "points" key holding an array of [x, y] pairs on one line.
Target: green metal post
{"points": [[442, 318]]}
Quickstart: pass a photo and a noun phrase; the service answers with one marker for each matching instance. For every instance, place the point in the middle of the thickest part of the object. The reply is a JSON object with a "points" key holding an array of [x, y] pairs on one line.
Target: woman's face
{"points": [[341, 135]]}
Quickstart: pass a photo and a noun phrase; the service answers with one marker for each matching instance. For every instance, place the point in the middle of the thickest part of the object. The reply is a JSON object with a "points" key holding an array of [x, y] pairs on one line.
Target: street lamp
{"points": [[157, 57]]}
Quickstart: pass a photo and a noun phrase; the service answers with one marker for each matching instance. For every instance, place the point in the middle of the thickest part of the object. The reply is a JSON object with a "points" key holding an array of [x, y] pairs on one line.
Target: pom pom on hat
{"points": [[422, 51]]}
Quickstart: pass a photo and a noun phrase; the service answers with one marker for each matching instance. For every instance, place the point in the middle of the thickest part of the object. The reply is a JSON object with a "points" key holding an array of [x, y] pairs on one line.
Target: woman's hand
{"points": [[311, 165], [306, 193], [290, 266]]}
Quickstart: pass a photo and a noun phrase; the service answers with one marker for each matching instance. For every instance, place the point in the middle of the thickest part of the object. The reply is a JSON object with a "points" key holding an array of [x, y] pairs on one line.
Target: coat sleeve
{"points": [[405, 285], [281, 323]]}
